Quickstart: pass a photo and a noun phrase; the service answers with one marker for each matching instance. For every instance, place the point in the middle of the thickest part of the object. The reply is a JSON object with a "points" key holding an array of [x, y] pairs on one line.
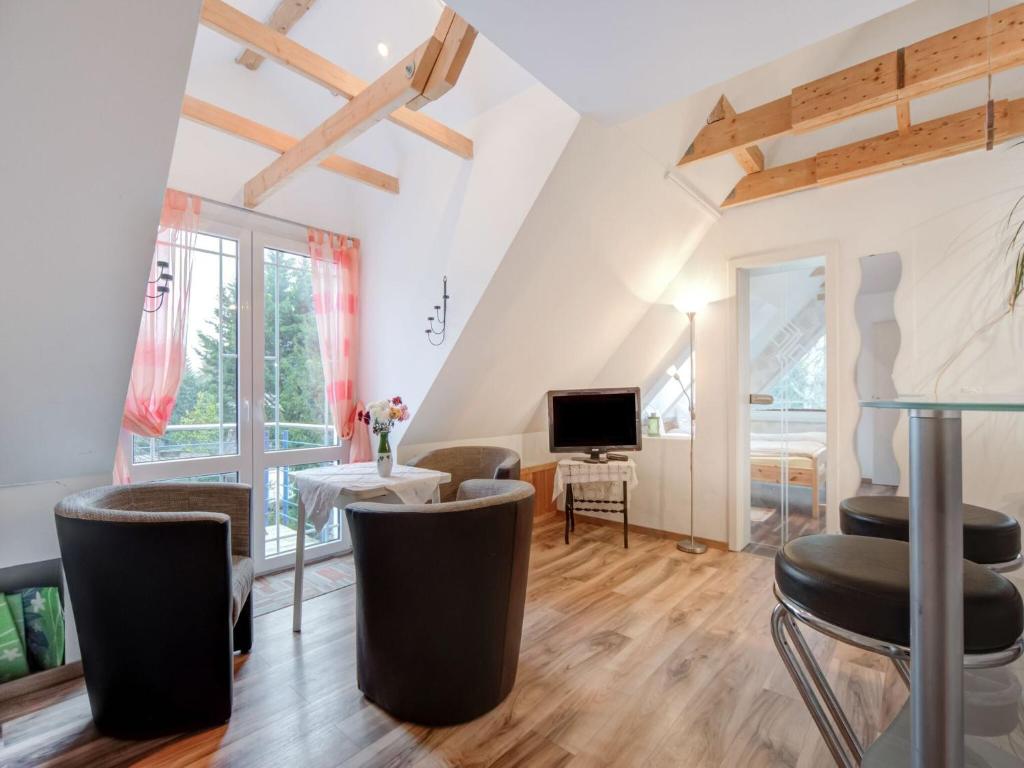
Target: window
{"points": [[252, 339], [205, 417], [669, 400], [295, 401]]}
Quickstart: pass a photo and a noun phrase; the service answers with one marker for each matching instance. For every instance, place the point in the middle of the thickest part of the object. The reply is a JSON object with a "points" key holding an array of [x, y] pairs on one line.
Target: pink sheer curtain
{"points": [[335, 262], [160, 349], [359, 448]]}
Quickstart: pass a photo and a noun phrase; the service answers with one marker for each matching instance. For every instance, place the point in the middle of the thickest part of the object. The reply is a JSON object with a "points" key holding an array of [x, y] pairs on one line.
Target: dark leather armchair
{"points": [[469, 462], [160, 578], [440, 595]]}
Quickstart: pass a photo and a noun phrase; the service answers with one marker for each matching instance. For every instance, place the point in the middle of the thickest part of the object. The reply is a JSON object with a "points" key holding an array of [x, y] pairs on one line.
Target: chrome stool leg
{"points": [[824, 689], [781, 626], [903, 669]]}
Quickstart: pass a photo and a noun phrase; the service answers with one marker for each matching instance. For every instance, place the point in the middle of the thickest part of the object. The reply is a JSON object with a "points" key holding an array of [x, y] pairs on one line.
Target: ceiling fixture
{"points": [[382, 49]]}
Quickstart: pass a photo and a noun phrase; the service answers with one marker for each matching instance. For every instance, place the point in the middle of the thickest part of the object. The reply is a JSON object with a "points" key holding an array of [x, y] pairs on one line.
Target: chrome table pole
{"points": [[936, 590]]}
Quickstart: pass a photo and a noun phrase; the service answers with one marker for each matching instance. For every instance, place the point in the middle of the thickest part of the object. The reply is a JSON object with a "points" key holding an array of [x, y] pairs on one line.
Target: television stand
{"points": [[588, 489], [595, 457]]}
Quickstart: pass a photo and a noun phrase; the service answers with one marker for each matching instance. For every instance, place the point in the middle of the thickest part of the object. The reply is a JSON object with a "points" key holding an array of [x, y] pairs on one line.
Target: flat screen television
{"points": [[594, 420]]}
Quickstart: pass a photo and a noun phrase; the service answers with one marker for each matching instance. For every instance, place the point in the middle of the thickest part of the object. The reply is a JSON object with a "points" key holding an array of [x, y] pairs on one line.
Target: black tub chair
{"points": [[440, 595], [160, 578]]}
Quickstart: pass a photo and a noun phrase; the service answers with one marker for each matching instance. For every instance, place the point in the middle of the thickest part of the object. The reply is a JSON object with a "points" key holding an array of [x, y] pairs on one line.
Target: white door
{"points": [[292, 428]]}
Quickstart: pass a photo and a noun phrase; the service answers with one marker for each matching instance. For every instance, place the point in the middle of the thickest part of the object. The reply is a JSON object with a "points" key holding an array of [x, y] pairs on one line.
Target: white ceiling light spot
{"points": [[382, 49]]}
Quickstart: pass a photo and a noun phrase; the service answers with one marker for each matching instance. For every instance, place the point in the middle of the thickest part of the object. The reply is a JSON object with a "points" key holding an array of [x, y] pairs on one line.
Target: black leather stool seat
{"points": [[989, 536], [863, 585]]}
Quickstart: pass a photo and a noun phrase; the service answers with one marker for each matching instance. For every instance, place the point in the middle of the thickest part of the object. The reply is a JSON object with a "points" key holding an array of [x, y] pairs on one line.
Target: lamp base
{"points": [[692, 546]]}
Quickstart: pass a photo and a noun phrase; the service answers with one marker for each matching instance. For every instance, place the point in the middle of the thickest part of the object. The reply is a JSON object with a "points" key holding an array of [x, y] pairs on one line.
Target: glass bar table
{"points": [[936, 728]]}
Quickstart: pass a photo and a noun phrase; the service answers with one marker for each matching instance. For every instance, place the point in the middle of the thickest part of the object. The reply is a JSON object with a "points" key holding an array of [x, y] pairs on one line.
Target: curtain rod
{"points": [[355, 240]]}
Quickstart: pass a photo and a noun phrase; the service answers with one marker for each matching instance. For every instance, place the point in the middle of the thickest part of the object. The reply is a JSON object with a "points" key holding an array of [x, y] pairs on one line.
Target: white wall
{"points": [[90, 95], [451, 219], [90, 98], [603, 237]]}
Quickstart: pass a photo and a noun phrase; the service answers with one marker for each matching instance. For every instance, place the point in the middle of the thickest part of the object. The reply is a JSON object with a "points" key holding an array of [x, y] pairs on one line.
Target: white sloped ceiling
{"points": [[91, 94]]}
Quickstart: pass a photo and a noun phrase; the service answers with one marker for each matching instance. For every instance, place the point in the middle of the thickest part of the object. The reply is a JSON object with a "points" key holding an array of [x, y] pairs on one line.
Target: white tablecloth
{"points": [[320, 487], [595, 482]]}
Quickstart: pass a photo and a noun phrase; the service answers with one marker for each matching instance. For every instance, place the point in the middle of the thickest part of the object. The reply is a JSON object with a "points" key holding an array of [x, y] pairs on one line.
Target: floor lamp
{"points": [[690, 545]]}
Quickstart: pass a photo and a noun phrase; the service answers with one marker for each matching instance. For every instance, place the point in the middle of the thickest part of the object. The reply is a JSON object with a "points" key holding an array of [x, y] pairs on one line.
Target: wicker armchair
{"points": [[469, 462], [160, 578]]}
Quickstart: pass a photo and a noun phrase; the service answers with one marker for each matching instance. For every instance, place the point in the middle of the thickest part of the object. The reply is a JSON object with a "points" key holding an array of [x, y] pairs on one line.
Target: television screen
{"points": [[585, 419]]}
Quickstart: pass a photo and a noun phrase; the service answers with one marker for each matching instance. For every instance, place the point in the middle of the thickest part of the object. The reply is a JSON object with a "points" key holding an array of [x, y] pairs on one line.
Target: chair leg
{"points": [[243, 627], [903, 669], [824, 689], [806, 689]]}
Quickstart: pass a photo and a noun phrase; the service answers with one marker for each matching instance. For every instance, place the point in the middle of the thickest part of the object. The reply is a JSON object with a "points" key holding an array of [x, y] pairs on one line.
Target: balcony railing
{"points": [[215, 439]]}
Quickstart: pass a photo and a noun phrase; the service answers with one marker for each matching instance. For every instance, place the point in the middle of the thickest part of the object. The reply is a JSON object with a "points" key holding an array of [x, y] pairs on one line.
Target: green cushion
{"points": [[13, 661], [44, 627]]}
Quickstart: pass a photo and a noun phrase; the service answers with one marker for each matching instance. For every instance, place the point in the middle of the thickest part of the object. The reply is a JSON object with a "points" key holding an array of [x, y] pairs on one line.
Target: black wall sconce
{"points": [[163, 286], [436, 335]]}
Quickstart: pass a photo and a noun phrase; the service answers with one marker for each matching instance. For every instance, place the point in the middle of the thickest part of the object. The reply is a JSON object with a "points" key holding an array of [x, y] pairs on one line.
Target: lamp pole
{"points": [[692, 546]]}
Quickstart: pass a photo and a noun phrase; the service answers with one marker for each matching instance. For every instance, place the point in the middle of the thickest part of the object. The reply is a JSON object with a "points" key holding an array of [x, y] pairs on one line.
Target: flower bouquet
{"points": [[382, 415]]}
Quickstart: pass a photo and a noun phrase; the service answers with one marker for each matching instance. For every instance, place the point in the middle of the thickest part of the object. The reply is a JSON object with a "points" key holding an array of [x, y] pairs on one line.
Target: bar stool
{"points": [[856, 590], [991, 538]]}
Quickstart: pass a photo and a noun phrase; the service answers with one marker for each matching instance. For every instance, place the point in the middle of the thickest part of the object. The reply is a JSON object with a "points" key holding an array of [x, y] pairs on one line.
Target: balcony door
{"points": [[252, 404]]}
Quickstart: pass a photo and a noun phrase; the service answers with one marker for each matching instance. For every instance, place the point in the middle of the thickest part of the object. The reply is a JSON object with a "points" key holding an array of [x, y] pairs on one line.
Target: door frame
{"points": [[263, 460], [738, 270]]}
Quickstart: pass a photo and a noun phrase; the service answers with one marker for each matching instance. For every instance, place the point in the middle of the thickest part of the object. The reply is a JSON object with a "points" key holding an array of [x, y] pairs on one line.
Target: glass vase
{"points": [[384, 461]]}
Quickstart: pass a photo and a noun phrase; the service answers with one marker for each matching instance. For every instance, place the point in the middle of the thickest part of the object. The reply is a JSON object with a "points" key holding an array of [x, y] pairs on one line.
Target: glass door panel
{"points": [[293, 425], [206, 436], [787, 344]]}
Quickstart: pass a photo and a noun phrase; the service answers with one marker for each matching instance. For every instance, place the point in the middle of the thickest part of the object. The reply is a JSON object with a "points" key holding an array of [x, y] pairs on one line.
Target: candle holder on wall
{"points": [[436, 335], [163, 287]]}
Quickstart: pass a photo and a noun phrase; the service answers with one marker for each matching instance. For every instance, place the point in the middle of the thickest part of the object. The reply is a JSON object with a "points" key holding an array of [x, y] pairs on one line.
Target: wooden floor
{"points": [[638, 657]]}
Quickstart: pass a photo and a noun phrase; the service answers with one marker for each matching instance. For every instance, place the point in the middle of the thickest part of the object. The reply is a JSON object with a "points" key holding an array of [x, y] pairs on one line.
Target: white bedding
{"points": [[807, 445]]}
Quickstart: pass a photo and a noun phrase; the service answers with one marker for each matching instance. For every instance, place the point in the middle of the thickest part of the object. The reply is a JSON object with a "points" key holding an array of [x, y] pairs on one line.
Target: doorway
{"points": [[787, 370]]}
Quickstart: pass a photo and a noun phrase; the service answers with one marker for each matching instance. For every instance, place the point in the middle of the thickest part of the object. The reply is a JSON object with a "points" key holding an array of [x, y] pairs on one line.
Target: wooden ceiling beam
{"points": [[861, 88], [458, 37], [282, 19], [741, 130], [232, 23], [903, 116], [949, 58], [942, 137], [404, 83], [212, 116], [962, 54], [750, 157]]}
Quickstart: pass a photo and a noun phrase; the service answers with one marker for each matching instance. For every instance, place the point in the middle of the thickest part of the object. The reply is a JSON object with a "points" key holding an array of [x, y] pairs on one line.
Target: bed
{"points": [[802, 453]]}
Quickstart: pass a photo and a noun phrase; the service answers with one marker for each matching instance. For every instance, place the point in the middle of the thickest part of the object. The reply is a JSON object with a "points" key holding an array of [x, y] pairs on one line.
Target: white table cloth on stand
{"points": [[598, 485], [322, 488]]}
